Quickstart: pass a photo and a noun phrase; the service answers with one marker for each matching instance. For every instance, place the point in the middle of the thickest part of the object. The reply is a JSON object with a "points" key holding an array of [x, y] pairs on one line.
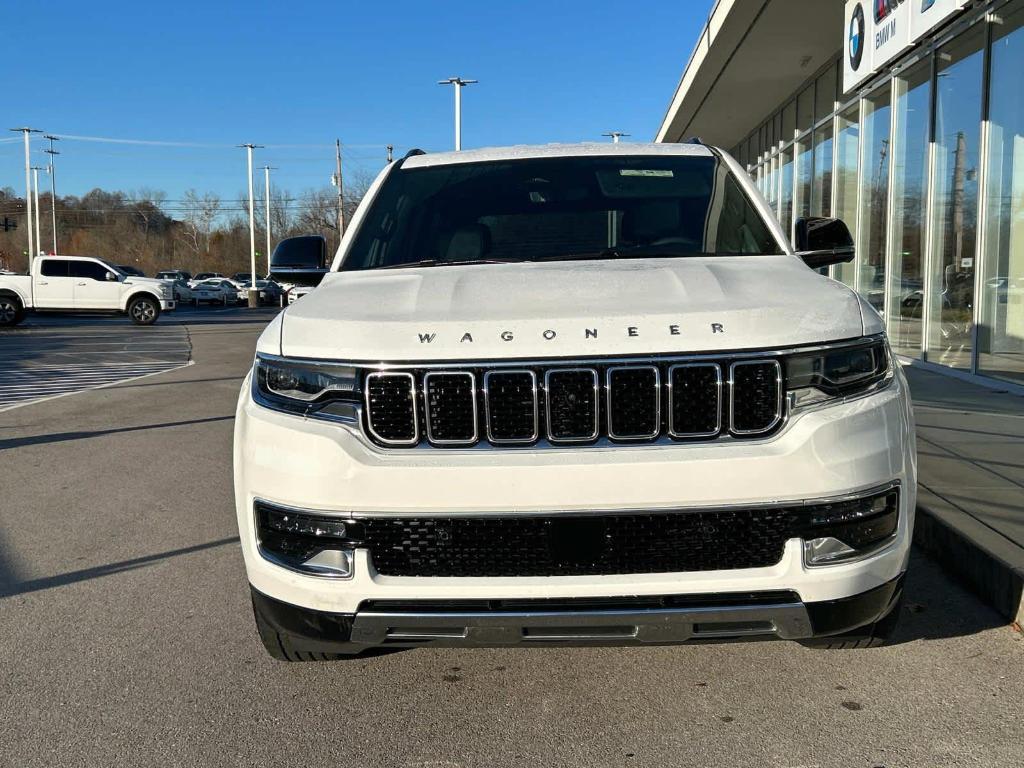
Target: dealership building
{"points": [[904, 118]]}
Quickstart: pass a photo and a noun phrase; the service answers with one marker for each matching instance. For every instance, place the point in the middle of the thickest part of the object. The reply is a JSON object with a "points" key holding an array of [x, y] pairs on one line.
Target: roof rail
{"points": [[413, 152], [694, 140]]}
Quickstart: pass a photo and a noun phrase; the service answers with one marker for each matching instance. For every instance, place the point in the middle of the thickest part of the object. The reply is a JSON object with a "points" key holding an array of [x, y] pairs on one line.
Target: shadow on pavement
{"points": [[10, 586], [60, 437]]}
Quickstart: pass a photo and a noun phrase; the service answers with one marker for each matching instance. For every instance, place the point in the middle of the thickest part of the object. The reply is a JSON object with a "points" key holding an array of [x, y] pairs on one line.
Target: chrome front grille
{"points": [[450, 406]]}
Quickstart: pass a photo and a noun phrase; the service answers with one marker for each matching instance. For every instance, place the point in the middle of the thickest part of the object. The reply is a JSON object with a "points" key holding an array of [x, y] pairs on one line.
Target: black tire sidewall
{"points": [[19, 311], [135, 302]]}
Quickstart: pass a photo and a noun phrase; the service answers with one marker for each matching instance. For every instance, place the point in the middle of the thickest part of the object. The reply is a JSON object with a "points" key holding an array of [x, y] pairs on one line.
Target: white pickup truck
{"points": [[82, 284]]}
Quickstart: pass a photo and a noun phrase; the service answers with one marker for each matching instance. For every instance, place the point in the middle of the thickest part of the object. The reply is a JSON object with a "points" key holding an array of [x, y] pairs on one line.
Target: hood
{"points": [[152, 281], [567, 309]]}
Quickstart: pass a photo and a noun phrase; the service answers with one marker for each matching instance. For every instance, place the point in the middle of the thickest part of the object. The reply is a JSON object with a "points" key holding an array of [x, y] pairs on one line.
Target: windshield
{"points": [[559, 209]]}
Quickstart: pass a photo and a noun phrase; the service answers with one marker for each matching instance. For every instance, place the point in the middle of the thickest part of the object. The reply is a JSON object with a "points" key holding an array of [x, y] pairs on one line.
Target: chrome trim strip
{"points": [[657, 401], [570, 362], [536, 408], [426, 408], [778, 399], [415, 410], [597, 404], [671, 401]]}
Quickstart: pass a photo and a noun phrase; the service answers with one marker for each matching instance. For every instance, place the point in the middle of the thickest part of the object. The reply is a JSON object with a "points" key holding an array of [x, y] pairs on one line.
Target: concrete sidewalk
{"points": [[970, 442]]}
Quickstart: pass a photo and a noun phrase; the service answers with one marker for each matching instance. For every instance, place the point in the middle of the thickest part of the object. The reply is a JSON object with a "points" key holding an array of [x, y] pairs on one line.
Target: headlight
{"points": [[305, 387], [836, 373]]}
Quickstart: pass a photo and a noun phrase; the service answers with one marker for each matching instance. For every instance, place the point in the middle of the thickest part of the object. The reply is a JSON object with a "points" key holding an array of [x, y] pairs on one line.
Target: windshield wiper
{"points": [[436, 263]]}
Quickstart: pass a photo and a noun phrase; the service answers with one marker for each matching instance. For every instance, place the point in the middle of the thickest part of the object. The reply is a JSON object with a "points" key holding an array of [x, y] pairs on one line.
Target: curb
{"points": [[990, 564]]}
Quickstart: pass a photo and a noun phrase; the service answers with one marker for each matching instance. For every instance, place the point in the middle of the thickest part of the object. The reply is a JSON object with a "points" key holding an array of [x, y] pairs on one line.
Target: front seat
{"points": [[469, 243]]}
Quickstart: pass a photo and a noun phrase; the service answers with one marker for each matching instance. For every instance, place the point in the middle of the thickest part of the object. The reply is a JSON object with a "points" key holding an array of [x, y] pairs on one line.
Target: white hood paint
{"points": [[499, 311]]}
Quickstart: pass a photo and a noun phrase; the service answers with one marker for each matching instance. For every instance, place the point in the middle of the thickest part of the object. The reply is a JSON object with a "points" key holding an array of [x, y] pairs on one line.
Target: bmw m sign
{"points": [[878, 31]]}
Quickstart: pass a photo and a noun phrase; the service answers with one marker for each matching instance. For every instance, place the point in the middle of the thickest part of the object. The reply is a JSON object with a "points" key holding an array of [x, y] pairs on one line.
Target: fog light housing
{"points": [[852, 529], [307, 542]]}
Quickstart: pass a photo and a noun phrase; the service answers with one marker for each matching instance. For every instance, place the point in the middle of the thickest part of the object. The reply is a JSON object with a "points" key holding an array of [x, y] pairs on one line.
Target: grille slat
{"points": [[450, 400], [755, 397], [572, 404], [391, 408], [634, 402], [622, 401], [695, 394], [512, 406]]}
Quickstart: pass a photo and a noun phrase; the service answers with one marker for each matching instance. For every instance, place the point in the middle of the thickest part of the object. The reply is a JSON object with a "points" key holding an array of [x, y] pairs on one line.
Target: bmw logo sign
{"points": [[857, 37]]}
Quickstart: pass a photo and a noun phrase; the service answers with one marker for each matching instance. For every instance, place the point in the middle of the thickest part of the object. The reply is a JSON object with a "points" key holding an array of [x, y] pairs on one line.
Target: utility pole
{"points": [[341, 189], [53, 186], [458, 83], [615, 135], [254, 294], [28, 191], [266, 193], [35, 194], [391, 149]]}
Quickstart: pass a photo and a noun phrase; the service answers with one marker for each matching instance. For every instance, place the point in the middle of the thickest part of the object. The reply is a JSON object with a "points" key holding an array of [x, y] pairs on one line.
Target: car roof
{"points": [[534, 151]]}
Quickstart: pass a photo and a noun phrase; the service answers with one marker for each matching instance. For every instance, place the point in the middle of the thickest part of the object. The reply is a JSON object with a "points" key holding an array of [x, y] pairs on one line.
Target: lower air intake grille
{"points": [[756, 396], [391, 405], [564, 545]]}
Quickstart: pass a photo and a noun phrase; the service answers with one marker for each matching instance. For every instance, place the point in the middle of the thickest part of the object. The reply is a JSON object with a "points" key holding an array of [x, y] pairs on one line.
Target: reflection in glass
{"points": [[847, 149], [874, 197], [910, 188], [821, 191], [804, 177], [1001, 335], [957, 132], [786, 193]]}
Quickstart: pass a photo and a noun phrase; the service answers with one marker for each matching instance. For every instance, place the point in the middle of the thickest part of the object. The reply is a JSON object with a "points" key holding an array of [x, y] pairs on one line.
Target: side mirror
{"points": [[821, 242], [300, 260], [110, 277]]}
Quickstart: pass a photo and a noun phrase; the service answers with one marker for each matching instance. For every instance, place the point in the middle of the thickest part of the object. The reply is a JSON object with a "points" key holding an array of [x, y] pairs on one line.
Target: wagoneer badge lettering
{"points": [[550, 334]]}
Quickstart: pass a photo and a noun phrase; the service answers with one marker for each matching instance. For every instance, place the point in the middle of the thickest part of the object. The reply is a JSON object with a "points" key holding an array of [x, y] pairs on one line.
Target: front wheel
{"points": [[11, 311], [144, 311]]}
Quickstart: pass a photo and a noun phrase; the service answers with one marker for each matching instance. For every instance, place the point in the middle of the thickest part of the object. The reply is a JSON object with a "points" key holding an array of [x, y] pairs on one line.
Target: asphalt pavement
{"points": [[126, 634]]}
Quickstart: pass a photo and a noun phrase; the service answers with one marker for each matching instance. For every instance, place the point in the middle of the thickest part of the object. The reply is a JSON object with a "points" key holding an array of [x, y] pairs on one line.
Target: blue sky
{"points": [[297, 75]]}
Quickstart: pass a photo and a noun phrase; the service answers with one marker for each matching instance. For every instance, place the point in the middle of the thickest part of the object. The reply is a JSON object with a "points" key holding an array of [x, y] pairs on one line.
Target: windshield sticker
{"points": [[645, 172]]}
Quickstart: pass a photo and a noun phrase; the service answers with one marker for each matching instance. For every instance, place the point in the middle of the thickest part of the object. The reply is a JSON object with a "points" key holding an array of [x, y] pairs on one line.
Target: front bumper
{"points": [[661, 620], [330, 469], [167, 304]]}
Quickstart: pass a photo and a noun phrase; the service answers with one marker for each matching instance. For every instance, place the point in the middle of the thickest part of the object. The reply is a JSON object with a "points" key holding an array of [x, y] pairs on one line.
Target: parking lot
{"points": [[126, 634]]}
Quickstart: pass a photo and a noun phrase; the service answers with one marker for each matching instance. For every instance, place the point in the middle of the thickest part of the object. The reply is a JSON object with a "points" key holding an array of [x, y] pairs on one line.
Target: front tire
{"points": [[11, 311], [874, 635], [144, 310], [280, 646]]}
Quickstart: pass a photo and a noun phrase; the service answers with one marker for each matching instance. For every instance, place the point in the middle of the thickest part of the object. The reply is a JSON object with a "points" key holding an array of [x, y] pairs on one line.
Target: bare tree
{"points": [[199, 213]]}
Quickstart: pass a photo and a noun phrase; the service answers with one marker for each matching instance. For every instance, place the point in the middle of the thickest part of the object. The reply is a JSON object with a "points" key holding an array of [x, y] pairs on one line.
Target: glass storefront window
{"points": [[805, 109], [910, 189], [786, 192], [874, 200], [847, 149], [825, 94], [1001, 333], [821, 188], [804, 177], [789, 121], [954, 219]]}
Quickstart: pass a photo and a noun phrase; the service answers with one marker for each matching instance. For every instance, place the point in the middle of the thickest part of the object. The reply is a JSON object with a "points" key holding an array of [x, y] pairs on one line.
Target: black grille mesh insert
{"points": [[696, 399], [562, 545], [572, 404], [756, 396], [633, 397], [451, 407], [391, 406], [512, 405]]}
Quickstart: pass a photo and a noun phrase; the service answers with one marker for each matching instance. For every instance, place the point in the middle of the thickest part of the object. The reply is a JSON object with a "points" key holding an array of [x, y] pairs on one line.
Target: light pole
{"points": [[53, 186], [615, 135], [266, 193], [458, 83], [35, 194], [28, 190], [254, 294]]}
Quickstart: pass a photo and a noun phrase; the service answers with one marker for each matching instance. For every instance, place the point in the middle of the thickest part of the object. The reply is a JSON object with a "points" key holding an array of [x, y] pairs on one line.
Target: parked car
{"points": [[214, 291], [488, 426], [206, 276], [270, 292], [82, 283], [242, 277], [173, 274], [128, 269], [297, 292]]}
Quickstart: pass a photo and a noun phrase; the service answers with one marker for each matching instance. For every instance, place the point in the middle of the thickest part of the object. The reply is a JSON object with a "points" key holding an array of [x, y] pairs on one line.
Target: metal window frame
{"points": [[426, 409], [672, 431], [536, 408], [657, 401]]}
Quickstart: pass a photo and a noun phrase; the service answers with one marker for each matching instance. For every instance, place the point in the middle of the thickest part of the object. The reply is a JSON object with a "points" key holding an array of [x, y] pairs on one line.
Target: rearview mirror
{"points": [[300, 260], [821, 242]]}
